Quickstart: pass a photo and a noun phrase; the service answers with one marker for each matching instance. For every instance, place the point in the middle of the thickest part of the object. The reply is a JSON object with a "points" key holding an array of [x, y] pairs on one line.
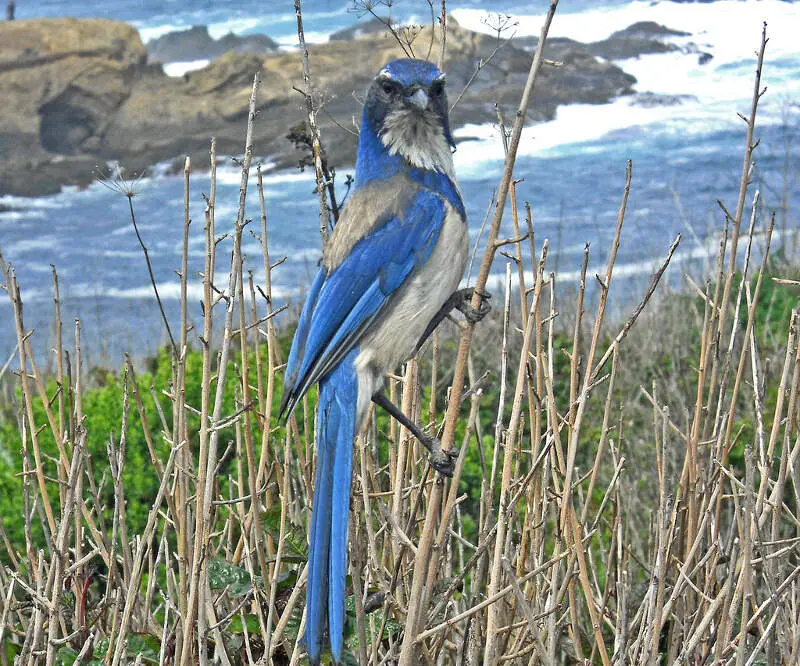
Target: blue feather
{"points": [[346, 387], [327, 557], [412, 70], [297, 351], [346, 301]]}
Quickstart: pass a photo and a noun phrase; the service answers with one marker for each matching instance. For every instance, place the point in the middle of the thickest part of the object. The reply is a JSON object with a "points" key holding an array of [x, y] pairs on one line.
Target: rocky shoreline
{"points": [[80, 93]]}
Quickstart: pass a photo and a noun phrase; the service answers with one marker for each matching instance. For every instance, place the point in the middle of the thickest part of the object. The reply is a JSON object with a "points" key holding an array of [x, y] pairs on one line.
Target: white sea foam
{"points": [[269, 22], [27, 203], [279, 26], [149, 33], [290, 43], [38, 267], [167, 291], [33, 294], [578, 124], [725, 24], [181, 68], [228, 174], [17, 216], [237, 26], [31, 245], [122, 254]]}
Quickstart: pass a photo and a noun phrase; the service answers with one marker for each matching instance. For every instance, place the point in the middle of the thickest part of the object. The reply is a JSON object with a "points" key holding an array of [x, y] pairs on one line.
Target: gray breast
{"points": [[393, 337]]}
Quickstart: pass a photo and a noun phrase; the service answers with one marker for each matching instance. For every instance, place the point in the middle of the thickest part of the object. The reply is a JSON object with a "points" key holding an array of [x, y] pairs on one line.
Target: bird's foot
{"points": [[443, 461], [464, 304]]}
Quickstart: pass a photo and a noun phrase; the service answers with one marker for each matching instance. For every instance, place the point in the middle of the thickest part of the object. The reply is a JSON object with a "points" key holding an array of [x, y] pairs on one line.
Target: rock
{"points": [[62, 81], [164, 117], [635, 40], [80, 93], [196, 44], [647, 30], [246, 43], [651, 99], [642, 38]]}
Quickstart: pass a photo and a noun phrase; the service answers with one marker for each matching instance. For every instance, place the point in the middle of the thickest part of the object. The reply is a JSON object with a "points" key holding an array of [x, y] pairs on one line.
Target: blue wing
{"points": [[343, 303]]}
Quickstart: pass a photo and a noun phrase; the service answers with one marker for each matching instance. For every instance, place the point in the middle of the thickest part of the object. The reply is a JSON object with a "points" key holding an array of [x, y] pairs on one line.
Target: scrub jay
{"points": [[388, 276]]}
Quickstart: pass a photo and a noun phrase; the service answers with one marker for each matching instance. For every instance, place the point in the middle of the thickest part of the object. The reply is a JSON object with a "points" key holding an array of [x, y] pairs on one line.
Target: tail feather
{"points": [[327, 561], [319, 546], [342, 479]]}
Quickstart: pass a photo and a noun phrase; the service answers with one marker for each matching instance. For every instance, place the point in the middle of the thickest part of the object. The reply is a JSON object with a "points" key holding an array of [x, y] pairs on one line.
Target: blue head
{"points": [[405, 122]]}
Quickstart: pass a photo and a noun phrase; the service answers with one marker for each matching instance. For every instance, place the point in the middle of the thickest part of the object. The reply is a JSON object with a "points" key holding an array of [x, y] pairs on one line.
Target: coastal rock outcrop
{"points": [[635, 40], [642, 38], [196, 44], [79, 93], [61, 82]]}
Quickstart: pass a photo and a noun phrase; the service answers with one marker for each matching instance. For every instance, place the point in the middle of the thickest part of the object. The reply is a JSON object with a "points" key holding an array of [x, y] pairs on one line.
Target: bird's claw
{"points": [[474, 315], [443, 461]]}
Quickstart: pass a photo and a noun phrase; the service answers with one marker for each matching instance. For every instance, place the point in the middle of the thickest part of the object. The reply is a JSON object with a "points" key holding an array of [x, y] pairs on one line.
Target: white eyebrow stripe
{"points": [[385, 74]]}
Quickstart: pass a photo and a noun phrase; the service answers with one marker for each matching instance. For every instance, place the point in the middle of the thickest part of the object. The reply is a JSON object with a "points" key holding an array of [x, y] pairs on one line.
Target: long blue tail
{"points": [[327, 553]]}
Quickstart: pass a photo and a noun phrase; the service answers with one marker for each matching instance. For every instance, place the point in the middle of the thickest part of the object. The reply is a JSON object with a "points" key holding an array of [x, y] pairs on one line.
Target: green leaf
{"points": [[237, 626], [287, 580], [348, 659], [392, 627], [350, 627], [222, 574], [11, 651], [294, 540], [293, 625], [272, 521], [351, 641], [296, 545], [145, 645], [101, 649], [66, 656]]}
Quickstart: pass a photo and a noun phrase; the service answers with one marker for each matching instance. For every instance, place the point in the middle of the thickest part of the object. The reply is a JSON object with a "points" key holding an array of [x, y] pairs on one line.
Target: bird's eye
{"points": [[387, 86], [437, 89]]}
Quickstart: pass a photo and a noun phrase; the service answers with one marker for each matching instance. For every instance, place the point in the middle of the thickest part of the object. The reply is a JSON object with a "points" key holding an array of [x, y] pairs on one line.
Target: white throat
{"points": [[419, 139]]}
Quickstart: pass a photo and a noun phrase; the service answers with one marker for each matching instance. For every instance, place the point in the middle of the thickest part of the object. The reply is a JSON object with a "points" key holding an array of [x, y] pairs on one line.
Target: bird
{"points": [[389, 273]]}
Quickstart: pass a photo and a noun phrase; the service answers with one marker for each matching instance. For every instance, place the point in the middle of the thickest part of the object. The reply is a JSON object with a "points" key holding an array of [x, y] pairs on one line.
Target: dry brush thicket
{"points": [[556, 558]]}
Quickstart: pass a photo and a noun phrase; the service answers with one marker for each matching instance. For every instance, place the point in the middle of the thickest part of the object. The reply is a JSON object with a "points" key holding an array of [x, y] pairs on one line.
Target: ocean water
{"points": [[685, 157]]}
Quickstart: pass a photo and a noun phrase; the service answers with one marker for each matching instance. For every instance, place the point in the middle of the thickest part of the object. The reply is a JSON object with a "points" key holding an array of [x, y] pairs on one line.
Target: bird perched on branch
{"points": [[389, 274]]}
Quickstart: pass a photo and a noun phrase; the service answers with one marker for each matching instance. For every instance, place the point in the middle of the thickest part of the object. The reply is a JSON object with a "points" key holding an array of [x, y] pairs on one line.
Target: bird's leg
{"points": [[460, 300], [441, 460]]}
